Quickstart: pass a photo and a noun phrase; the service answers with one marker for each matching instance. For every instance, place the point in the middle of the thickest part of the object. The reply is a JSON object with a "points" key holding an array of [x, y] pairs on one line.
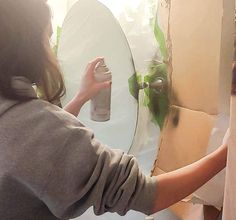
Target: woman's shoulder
{"points": [[48, 113]]}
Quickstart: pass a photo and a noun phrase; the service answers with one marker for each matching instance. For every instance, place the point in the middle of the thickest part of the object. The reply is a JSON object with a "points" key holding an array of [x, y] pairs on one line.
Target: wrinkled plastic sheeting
{"points": [[136, 18]]}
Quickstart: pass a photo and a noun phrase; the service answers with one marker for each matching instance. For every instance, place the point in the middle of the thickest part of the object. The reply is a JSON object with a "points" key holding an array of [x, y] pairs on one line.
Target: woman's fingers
{"points": [[92, 64]]}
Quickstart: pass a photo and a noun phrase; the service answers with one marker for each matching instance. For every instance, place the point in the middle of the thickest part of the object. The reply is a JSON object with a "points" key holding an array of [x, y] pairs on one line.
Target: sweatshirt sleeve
{"points": [[88, 173]]}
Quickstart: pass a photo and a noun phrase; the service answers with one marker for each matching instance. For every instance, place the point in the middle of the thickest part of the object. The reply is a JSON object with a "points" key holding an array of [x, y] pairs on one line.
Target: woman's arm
{"points": [[175, 186], [75, 105], [88, 89]]}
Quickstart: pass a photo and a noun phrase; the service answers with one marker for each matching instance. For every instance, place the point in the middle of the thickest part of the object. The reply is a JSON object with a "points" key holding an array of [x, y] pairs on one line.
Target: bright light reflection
{"points": [[119, 6]]}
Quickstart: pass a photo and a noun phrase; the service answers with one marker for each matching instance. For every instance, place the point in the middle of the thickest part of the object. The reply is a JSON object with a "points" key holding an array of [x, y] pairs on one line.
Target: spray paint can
{"points": [[101, 103]]}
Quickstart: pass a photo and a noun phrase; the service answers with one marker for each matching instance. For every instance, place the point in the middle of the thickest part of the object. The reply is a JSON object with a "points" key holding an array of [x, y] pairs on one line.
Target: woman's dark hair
{"points": [[25, 49]]}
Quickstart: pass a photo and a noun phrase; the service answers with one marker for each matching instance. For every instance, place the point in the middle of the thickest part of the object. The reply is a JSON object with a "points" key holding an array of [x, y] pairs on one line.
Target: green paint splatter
{"points": [[157, 102], [134, 85], [160, 38]]}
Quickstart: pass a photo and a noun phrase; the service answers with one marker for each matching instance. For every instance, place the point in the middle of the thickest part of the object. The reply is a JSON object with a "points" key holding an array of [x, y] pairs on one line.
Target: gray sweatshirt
{"points": [[52, 167]]}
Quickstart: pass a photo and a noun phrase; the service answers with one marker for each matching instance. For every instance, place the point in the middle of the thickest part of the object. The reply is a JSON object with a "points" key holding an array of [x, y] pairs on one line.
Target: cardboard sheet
{"points": [[184, 138], [200, 43]]}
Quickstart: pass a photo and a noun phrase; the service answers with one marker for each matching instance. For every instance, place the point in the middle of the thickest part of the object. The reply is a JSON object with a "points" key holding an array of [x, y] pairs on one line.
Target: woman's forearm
{"points": [[75, 105], [175, 186]]}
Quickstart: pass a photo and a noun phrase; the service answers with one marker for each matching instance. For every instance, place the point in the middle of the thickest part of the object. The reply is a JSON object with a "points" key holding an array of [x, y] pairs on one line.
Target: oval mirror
{"points": [[90, 30]]}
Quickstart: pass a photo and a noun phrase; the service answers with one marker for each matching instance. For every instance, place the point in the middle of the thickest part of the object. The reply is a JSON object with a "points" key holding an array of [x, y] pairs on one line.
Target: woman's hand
{"points": [[88, 89], [89, 86], [176, 185]]}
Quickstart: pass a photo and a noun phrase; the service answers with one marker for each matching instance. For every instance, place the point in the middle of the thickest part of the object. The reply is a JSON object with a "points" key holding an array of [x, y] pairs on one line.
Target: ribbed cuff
{"points": [[146, 199]]}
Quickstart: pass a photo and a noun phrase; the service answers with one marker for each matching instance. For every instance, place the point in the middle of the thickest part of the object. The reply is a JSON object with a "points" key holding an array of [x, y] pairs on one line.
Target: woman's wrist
{"points": [[80, 99], [76, 104], [178, 184], [220, 156]]}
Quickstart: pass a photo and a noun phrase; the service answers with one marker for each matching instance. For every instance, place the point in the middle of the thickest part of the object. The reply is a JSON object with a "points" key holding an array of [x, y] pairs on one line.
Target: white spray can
{"points": [[101, 103]]}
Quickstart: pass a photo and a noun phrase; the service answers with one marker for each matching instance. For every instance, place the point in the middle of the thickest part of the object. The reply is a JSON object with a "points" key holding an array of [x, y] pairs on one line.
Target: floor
{"points": [[182, 211], [163, 215]]}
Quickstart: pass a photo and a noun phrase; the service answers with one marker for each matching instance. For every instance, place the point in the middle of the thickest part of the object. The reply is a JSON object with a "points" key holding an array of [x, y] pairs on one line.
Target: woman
{"points": [[51, 166]]}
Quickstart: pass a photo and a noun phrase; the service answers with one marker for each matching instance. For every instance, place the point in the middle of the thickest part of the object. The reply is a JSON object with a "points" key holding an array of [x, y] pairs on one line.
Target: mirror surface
{"points": [[89, 31]]}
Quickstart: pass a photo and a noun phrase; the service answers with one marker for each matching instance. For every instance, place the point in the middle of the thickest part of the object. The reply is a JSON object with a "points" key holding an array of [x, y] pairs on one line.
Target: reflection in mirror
{"points": [[89, 31]]}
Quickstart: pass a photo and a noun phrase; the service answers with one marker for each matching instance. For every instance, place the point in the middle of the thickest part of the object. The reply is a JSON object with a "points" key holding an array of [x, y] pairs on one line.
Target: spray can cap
{"points": [[102, 68]]}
